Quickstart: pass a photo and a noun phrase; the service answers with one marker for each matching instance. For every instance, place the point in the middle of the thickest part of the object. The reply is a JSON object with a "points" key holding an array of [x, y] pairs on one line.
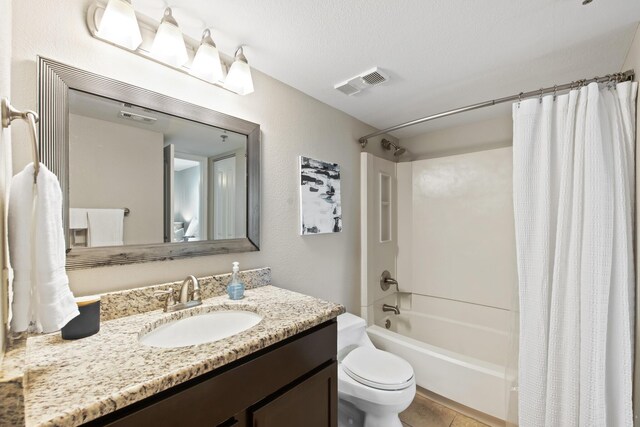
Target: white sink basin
{"points": [[201, 328]]}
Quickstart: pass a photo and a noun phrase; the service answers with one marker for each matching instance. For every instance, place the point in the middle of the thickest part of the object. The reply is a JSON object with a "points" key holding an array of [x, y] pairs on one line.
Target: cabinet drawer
{"points": [[312, 403]]}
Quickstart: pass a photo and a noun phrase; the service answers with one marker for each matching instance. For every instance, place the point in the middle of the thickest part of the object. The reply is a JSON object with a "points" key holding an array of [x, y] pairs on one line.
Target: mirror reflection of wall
{"points": [[189, 182], [180, 180], [228, 197]]}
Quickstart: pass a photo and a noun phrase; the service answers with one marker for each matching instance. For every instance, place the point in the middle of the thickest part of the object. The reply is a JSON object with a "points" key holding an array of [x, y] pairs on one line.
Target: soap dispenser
{"points": [[235, 288]]}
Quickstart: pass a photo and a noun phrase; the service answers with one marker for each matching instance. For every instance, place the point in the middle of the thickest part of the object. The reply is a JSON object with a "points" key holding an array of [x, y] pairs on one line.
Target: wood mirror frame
{"points": [[54, 82]]}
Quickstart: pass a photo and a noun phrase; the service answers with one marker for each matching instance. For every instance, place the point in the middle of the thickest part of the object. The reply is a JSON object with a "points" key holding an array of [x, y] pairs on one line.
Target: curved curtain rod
{"points": [[9, 114], [617, 77]]}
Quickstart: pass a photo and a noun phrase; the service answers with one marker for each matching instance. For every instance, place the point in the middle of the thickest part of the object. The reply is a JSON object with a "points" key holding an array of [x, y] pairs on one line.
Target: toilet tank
{"points": [[352, 331]]}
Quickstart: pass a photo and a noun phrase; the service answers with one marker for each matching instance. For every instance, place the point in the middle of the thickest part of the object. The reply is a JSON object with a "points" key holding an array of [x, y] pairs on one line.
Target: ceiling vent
{"points": [[357, 84], [137, 117]]}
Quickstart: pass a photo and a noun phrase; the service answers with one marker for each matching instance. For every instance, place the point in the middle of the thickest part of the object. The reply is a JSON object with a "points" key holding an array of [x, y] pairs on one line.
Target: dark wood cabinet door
{"points": [[312, 403], [238, 420]]}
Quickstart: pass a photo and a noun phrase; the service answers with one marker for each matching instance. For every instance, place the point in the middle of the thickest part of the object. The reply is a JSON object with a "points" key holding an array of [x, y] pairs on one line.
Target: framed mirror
{"points": [[146, 177]]}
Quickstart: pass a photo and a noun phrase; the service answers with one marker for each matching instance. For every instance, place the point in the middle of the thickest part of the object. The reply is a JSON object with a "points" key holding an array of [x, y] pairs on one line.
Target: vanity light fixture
{"points": [[239, 78], [119, 25], [206, 64], [168, 44]]}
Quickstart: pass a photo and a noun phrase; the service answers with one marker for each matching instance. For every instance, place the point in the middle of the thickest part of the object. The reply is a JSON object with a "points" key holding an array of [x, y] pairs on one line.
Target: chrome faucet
{"points": [[386, 281], [184, 302], [184, 291], [388, 307]]}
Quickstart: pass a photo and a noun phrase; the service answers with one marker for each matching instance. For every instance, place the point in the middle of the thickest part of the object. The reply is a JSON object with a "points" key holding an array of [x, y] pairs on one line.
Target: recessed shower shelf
{"points": [[385, 208]]}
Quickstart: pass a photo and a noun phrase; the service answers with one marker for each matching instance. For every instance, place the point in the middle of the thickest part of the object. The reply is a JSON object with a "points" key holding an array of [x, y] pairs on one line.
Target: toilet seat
{"points": [[378, 369]]}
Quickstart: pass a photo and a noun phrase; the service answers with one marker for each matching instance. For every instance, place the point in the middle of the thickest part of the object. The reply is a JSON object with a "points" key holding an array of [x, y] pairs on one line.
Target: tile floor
{"points": [[424, 412]]}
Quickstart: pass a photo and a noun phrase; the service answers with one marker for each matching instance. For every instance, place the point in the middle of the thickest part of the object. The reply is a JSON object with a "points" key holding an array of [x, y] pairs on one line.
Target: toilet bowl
{"points": [[374, 386]]}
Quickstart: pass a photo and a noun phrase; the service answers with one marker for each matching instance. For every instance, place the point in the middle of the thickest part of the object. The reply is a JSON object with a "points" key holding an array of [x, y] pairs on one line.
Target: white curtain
{"points": [[573, 162]]}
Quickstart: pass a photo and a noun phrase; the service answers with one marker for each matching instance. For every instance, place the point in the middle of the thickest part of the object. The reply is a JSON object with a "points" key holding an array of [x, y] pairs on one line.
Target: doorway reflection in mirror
{"points": [[184, 181]]}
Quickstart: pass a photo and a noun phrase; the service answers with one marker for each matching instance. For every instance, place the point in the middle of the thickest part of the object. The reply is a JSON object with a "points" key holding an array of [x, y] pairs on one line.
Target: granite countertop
{"points": [[68, 383]]}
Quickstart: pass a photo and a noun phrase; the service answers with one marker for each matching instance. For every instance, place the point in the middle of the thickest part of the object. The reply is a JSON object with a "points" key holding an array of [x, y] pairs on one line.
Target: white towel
{"points": [[41, 294], [106, 227], [194, 228], [78, 219]]}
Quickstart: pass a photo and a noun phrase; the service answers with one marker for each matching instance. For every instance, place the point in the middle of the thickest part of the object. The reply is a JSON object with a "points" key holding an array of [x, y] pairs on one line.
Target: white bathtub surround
{"points": [[450, 344], [455, 227], [378, 230], [456, 258], [42, 300], [573, 190]]}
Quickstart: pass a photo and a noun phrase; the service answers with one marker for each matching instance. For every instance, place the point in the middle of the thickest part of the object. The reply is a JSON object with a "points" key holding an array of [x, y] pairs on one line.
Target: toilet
{"points": [[374, 386]]}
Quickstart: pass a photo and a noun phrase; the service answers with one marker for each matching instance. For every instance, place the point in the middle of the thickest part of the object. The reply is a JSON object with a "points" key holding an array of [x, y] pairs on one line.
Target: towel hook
{"points": [[9, 114]]}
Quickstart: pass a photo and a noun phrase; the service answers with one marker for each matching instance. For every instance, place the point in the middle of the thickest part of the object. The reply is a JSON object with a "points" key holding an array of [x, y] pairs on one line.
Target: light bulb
{"points": [[168, 45], [206, 64], [239, 78], [119, 25]]}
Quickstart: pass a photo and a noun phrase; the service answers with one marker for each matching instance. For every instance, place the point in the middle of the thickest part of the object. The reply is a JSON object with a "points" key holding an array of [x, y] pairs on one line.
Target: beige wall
{"points": [[633, 62], [457, 224], [5, 161], [118, 166], [292, 124], [186, 198]]}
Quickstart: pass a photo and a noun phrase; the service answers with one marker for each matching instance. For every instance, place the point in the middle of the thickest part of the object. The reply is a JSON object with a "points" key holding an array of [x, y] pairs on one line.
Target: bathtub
{"points": [[457, 350]]}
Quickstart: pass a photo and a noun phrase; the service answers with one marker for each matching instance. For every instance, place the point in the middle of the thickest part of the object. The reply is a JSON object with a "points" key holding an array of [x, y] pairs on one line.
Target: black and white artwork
{"points": [[320, 209]]}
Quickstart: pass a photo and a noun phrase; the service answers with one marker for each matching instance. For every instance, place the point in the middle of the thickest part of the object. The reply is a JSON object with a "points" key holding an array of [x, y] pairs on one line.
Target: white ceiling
{"points": [[440, 54], [182, 164], [189, 137]]}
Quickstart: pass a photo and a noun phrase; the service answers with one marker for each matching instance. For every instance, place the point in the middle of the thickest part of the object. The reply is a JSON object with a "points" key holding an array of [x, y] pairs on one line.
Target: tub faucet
{"points": [[388, 307]]}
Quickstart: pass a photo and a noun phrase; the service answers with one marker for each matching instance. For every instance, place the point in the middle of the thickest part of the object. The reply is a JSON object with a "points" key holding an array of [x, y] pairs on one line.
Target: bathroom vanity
{"points": [[280, 372], [292, 383]]}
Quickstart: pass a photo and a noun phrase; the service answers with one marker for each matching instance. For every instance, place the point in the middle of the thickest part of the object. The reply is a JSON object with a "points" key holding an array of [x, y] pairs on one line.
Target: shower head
{"points": [[399, 151]]}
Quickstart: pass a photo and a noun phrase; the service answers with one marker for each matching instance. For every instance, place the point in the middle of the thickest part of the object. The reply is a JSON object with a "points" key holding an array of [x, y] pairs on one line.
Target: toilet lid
{"points": [[378, 369]]}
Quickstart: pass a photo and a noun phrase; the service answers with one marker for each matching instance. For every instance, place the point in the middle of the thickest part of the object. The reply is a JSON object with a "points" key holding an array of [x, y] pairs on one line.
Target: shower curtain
{"points": [[573, 162]]}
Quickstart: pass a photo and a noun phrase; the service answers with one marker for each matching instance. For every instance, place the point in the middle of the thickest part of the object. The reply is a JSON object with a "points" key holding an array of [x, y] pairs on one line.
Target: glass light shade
{"points": [[239, 78], [206, 64], [119, 25], [168, 45]]}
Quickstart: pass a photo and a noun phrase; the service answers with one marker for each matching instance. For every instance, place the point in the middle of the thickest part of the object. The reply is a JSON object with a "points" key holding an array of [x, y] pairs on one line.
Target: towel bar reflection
{"points": [[9, 114]]}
